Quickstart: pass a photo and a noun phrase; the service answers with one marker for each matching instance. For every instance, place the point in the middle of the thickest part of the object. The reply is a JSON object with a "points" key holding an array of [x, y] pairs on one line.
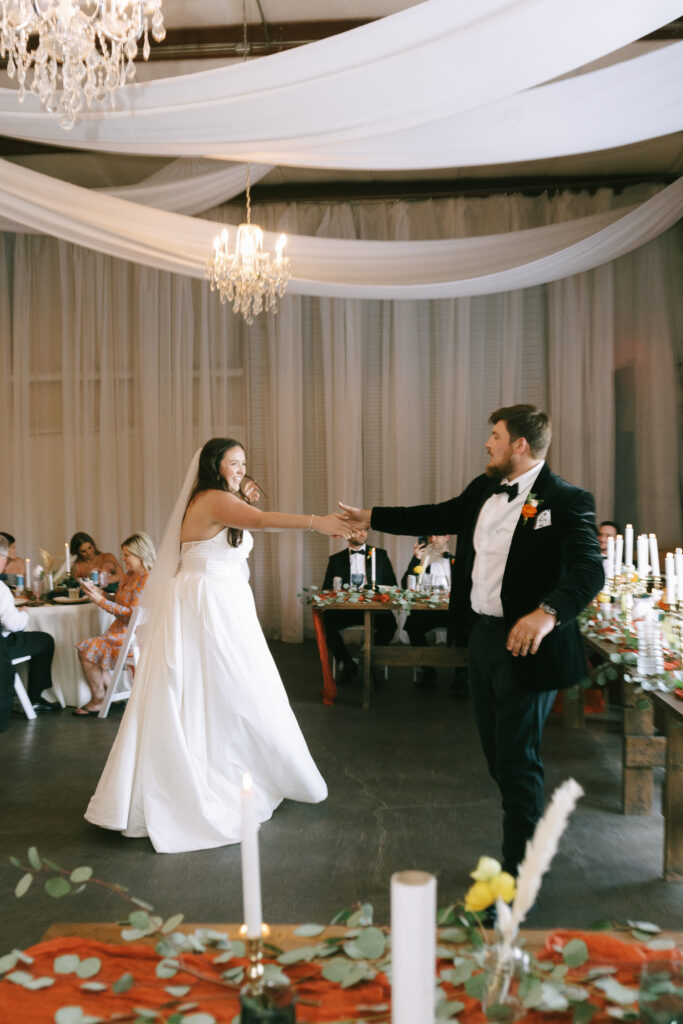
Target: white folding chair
{"points": [[125, 664], [20, 689]]}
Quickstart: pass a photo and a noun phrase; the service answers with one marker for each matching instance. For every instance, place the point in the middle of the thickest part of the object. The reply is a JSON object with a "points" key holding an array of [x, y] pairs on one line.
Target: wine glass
{"points": [[356, 580]]}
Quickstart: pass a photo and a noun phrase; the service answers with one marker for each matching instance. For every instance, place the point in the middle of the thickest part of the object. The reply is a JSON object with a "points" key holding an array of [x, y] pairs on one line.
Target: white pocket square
{"points": [[543, 519]]}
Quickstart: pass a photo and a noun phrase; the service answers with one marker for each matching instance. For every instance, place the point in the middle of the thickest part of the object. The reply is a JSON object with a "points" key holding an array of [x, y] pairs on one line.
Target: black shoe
{"points": [[426, 677], [42, 707], [349, 670]]}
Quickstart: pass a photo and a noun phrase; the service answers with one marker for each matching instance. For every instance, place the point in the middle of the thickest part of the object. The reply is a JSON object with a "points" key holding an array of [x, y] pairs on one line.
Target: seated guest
{"points": [[15, 642], [14, 563], [356, 560], [607, 529], [98, 654], [89, 557], [436, 562]]}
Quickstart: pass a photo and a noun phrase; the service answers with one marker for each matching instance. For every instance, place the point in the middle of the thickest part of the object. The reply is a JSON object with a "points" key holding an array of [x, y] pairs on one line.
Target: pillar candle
{"points": [[628, 544], [251, 871], [373, 577], [654, 555], [618, 555], [670, 569], [413, 945], [27, 581], [609, 571], [643, 564], [678, 564]]}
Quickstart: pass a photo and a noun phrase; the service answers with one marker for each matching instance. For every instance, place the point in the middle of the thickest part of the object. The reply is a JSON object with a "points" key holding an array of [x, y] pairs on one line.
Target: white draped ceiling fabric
{"points": [[335, 267], [418, 67], [568, 301]]}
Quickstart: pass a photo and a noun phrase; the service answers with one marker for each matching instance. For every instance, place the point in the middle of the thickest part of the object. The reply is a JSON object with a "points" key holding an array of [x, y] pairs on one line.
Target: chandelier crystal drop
{"points": [[80, 51]]}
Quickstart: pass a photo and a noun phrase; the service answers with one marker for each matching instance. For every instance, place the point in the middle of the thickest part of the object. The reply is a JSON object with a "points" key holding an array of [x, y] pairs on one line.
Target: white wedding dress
{"points": [[207, 705]]}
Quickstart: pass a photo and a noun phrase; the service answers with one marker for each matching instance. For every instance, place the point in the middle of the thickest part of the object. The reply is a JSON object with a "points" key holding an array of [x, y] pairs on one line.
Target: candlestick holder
{"points": [[263, 1002]]}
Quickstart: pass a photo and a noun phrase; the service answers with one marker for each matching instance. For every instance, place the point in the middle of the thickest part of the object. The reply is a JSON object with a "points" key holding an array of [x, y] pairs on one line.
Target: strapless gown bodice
{"points": [[215, 556], [207, 705]]}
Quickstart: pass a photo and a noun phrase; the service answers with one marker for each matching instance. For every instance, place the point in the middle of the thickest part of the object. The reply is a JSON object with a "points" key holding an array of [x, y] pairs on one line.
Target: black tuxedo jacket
{"points": [[339, 564], [559, 563], [416, 561]]}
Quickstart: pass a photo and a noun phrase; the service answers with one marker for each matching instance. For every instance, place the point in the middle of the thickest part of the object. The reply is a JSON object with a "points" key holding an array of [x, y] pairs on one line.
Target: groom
{"points": [[527, 562]]}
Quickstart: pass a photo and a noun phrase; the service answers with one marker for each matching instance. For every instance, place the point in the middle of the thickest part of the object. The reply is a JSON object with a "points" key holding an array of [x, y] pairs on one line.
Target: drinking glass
{"points": [[357, 580], [660, 996]]}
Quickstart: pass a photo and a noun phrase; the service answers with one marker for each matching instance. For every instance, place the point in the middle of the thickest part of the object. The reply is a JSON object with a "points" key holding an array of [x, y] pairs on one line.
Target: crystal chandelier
{"points": [[86, 46], [249, 278]]}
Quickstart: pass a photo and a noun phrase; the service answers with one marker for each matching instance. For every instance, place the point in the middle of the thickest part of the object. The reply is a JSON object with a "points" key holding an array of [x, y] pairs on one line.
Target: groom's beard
{"points": [[501, 471]]}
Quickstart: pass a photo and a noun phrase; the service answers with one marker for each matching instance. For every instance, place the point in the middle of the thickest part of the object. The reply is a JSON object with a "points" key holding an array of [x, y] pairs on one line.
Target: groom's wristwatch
{"points": [[549, 610]]}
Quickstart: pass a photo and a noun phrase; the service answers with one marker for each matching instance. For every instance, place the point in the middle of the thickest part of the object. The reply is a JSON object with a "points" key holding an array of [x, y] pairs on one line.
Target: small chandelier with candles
{"points": [[87, 46], [249, 278]]}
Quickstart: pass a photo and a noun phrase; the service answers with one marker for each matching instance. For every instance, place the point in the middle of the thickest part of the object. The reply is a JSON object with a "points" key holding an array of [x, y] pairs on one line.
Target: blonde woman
{"points": [[98, 654]]}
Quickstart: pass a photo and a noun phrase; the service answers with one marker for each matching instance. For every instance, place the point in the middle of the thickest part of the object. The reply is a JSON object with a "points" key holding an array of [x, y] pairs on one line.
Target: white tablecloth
{"points": [[68, 623]]}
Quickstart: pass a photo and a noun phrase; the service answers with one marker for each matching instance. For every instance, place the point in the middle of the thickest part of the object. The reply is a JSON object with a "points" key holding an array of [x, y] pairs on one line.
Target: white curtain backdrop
{"points": [[339, 266], [425, 64], [111, 375]]}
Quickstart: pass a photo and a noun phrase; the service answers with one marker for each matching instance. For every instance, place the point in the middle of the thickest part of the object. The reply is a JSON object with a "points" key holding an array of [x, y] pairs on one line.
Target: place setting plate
{"points": [[71, 600], [18, 601]]}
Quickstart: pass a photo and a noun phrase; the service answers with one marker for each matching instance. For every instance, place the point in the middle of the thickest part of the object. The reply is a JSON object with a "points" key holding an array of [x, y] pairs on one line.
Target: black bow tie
{"points": [[509, 489], [356, 551]]}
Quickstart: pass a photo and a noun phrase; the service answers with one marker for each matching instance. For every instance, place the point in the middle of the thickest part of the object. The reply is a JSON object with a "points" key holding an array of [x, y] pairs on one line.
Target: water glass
{"points": [[357, 580], [660, 995], [650, 654]]}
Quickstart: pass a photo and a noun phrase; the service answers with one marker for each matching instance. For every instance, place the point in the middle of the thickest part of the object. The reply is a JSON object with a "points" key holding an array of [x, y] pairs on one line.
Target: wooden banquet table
{"points": [[67, 624], [379, 655], [319, 1001], [643, 751]]}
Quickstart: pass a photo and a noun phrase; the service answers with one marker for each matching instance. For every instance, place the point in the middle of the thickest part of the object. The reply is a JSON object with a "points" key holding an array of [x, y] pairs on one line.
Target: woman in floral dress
{"points": [[98, 654]]}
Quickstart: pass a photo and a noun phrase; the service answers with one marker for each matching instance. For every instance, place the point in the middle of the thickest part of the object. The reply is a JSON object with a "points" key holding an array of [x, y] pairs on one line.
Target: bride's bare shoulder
{"points": [[200, 522]]}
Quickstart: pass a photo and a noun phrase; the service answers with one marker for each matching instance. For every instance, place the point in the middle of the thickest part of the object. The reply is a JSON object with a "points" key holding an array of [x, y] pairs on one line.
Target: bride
{"points": [[208, 703]]}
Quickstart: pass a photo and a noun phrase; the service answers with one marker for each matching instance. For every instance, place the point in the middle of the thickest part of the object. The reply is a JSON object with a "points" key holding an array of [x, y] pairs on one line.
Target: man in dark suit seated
{"points": [[527, 562], [356, 559], [15, 642]]}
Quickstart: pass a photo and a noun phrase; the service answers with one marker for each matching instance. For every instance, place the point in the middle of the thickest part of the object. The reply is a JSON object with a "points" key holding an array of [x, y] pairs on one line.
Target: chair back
{"points": [[129, 652]]}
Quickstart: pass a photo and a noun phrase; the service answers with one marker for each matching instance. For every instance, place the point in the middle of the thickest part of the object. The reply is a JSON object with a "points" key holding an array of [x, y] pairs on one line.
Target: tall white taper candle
{"points": [[373, 575], [67, 558], [654, 555], [628, 544], [643, 563], [251, 871], [609, 571], [670, 569], [618, 554], [413, 945], [678, 562]]}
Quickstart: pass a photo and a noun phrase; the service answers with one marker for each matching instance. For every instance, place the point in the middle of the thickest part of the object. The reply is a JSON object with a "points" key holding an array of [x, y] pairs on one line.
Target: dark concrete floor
{"points": [[408, 789]]}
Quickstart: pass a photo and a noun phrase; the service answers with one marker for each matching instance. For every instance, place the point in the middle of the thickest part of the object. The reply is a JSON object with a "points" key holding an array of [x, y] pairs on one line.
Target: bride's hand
{"points": [[358, 516], [333, 525]]}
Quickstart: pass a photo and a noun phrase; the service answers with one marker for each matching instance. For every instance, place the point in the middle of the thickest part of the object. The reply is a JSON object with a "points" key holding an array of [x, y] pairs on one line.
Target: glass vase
{"points": [[504, 967]]}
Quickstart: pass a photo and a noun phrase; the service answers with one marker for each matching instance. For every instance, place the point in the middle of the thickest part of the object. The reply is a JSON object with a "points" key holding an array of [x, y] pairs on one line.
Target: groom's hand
{"points": [[526, 634], [358, 516]]}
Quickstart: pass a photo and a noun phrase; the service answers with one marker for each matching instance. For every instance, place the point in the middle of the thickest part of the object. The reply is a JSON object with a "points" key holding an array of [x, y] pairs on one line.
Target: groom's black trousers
{"points": [[510, 723]]}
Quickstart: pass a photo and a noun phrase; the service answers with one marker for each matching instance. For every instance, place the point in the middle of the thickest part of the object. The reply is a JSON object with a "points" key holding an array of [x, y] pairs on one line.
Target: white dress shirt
{"points": [[492, 538], [357, 564], [12, 620]]}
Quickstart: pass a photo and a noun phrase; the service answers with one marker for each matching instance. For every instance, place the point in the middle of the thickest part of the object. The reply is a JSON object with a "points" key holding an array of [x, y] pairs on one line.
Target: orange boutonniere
{"points": [[530, 507]]}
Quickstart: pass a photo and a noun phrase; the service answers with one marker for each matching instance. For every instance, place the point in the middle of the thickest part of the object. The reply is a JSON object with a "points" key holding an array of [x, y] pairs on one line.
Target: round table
{"points": [[67, 624]]}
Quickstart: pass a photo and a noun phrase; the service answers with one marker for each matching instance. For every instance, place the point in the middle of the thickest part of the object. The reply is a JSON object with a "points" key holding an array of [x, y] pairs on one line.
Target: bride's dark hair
{"points": [[209, 477]]}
